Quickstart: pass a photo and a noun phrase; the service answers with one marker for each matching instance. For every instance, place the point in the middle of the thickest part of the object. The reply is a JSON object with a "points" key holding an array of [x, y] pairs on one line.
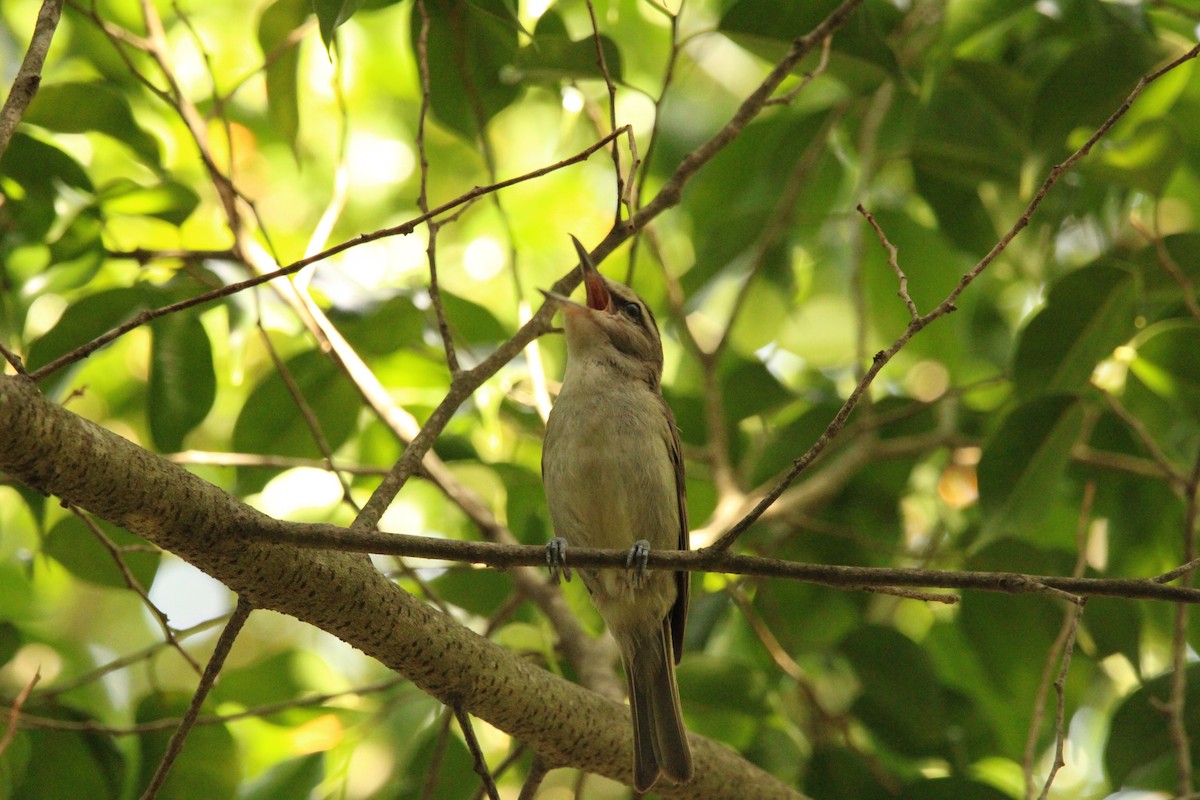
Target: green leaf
{"points": [[67, 765], [1146, 159], [275, 25], [91, 107], [1087, 315], [1023, 463], [274, 679], [479, 591], [71, 543], [952, 789], [10, 642], [82, 322], [552, 56], [452, 771], [896, 676], [271, 424], [1088, 84], [843, 772], [862, 56], [471, 47], [208, 768], [296, 777], [384, 328], [169, 200], [183, 384], [473, 322], [726, 699], [331, 15], [40, 171], [1168, 364], [1139, 751]]}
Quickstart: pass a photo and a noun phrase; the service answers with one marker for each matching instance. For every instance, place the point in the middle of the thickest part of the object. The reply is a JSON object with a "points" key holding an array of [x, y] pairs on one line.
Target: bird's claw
{"points": [[556, 559], [636, 562]]}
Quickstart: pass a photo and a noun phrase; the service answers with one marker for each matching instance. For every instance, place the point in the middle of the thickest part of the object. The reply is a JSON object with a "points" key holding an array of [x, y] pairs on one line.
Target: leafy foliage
{"points": [[1050, 425]]}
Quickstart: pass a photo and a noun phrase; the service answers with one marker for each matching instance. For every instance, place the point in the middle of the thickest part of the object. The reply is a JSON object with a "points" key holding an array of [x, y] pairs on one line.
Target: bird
{"points": [[613, 472]]}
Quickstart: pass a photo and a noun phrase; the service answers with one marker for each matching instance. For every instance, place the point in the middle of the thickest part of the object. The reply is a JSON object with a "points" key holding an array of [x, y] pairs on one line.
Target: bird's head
{"points": [[614, 326]]}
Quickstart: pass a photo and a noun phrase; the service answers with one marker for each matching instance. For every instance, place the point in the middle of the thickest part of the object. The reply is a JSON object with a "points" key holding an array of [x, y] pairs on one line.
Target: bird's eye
{"points": [[633, 311]]}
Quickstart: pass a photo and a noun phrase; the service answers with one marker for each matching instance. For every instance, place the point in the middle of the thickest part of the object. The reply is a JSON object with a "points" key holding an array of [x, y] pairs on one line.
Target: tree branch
{"points": [[53, 450], [29, 75]]}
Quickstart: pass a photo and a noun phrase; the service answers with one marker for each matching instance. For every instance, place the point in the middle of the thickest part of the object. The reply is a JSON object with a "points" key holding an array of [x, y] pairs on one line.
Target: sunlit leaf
{"points": [[84, 321], [270, 422], [553, 56], [168, 200], [277, 22], [88, 107], [296, 777]]}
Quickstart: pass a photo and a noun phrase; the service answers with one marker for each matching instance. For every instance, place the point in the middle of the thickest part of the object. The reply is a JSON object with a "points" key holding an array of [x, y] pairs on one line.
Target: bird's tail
{"points": [[659, 737]]}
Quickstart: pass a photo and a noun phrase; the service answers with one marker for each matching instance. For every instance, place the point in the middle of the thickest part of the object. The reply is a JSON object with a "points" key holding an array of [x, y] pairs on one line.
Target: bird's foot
{"points": [[636, 562], [556, 559]]}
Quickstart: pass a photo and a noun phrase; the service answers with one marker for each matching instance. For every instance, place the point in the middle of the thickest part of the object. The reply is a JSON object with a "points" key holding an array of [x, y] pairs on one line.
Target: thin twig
{"points": [[331, 537], [29, 74], [481, 768], [257, 712], [215, 663], [533, 779], [602, 63], [1062, 646], [14, 712], [429, 787], [893, 262], [135, 585]]}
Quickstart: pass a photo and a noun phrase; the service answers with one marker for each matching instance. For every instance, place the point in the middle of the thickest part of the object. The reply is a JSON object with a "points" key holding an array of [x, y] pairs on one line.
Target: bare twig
{"points": [[134, 584], [90, 726], [533, 779], [1063, 645], [892, 262], [14, 712], [29, 74], [215, 663], [602, 64], [481, 768], [13, 359], [809, 77]]}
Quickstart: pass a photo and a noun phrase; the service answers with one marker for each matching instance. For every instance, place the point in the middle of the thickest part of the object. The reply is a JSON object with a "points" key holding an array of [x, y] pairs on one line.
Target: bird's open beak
{"points": [[598, 297]]}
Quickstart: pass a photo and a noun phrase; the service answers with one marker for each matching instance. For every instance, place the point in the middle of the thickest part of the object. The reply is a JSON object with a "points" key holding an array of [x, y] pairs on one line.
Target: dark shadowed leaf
{"points": [[65, 765], [471, 47], [1139, 752], [1023, 464], [1087, 314], [182, 382]]}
